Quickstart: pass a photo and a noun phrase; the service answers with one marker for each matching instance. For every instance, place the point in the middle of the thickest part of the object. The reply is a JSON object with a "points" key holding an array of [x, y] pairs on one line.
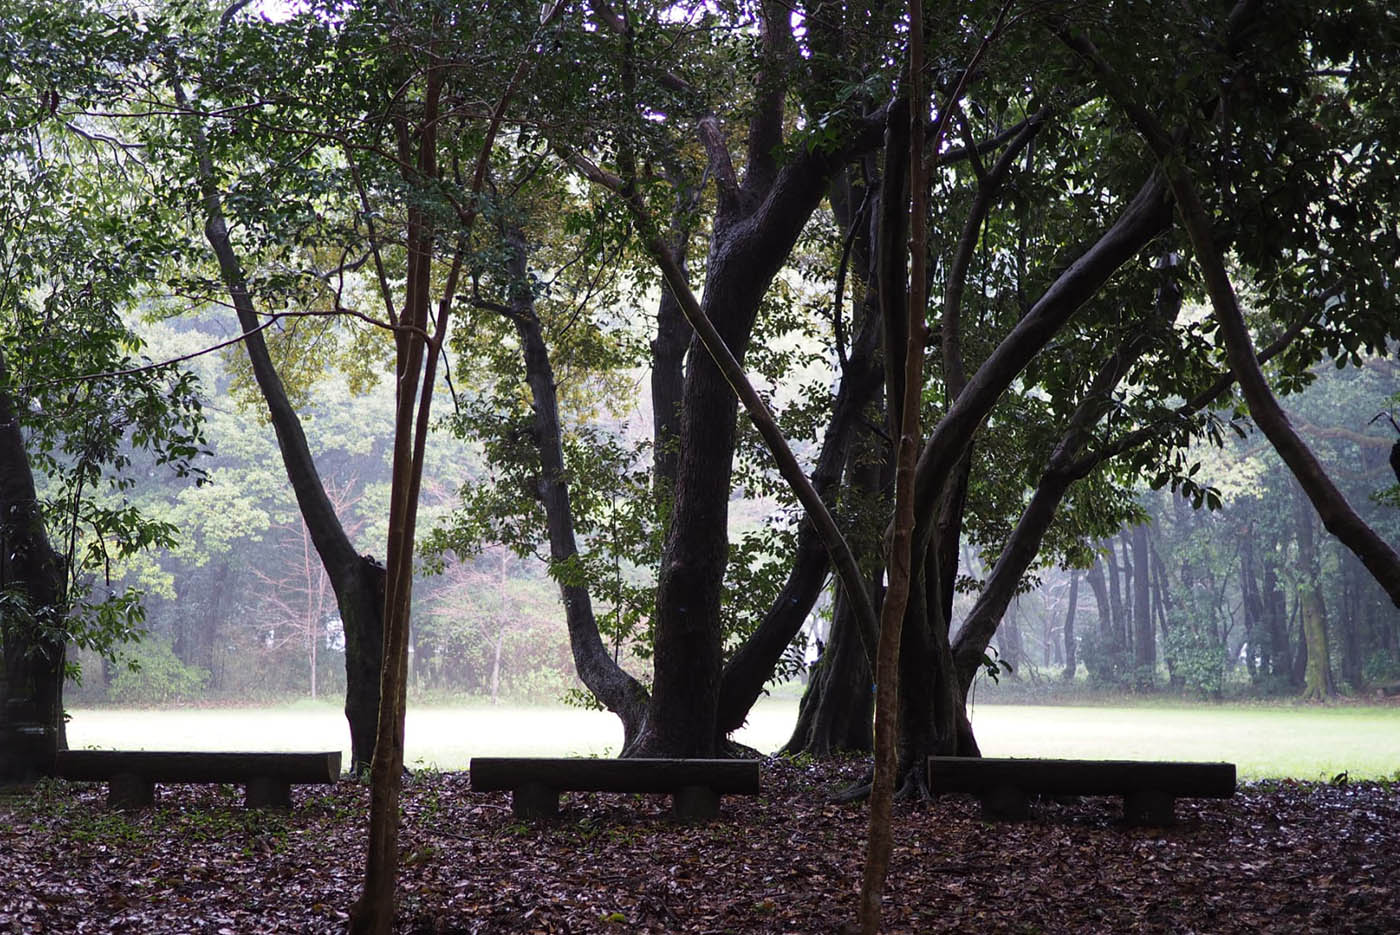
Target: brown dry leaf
{"points": [[1279, 857]]}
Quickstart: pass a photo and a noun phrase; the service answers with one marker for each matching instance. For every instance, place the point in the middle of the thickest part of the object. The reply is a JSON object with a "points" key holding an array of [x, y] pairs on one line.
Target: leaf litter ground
{"points": [[1279, 857]]}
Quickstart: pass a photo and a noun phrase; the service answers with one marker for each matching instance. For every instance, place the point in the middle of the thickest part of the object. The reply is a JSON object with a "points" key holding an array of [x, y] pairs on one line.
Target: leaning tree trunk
{"points": [[618, 691], [358, 580], [32, 623], [1380, 559]]}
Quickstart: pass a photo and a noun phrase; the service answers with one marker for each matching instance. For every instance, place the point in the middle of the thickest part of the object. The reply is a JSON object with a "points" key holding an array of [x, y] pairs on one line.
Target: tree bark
{"points": [[1144, 641], [1317, 680], [32, 574], [836, 712], [1071, 662]]}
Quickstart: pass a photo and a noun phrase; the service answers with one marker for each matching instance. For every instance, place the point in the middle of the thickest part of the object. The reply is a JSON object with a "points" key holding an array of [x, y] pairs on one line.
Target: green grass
{"points": [[1264, 741]]}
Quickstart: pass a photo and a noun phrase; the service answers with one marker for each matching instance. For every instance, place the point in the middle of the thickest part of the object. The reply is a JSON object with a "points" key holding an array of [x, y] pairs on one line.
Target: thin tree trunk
{"points": [[1071, 662], [358, 580], [904, 409], [1317, 679], [1252, 606], [1144, 643], [1276, 613]]}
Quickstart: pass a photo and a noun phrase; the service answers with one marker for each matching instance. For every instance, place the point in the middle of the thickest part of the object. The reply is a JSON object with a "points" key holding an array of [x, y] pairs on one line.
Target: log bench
{"points": [[695, 785], [131, 775], [1149, 789]]}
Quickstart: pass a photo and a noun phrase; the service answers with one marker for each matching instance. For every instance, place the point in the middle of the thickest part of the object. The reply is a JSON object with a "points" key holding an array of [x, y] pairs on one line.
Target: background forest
{"points": [[241, 609]]}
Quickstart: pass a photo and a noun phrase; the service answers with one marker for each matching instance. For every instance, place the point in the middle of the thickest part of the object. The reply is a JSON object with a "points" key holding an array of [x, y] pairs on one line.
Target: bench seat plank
{"points": [[132, 774], [535, 782], [1149, 789]]}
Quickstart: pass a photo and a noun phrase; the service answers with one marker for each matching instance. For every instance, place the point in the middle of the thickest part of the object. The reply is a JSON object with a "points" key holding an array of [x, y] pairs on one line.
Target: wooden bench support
{"points": [[131, 775], [1149, 789], [534, 800], [128, 790], [695, 785]]}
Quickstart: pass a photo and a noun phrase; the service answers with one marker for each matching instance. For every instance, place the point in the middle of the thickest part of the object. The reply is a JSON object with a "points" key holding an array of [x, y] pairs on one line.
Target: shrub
{"points": [[1198, 659], [149, 673]]}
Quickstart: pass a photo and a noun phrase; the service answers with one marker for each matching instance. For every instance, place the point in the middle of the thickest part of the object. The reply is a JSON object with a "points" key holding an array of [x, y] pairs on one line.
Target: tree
{"points": [[81, 415], [1336, 514]]}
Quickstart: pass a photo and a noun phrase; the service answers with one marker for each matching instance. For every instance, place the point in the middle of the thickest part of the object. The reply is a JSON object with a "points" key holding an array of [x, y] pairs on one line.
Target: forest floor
{"points": [[1278, 857]]}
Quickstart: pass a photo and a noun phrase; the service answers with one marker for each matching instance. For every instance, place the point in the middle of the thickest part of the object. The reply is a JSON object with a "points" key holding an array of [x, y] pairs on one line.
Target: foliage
{"points": [[1197, 658], [76, 256], [1105, 662], [149, 674]]}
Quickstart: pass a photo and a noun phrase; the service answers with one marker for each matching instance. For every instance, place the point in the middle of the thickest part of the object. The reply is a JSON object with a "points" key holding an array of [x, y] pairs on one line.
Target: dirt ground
{"points": [[1278, 857]]}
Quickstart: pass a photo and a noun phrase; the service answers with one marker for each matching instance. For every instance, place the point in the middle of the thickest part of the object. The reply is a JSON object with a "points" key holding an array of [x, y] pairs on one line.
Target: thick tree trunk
{"points": [[836, 713], [755, 229], [668, 379], [32, 627]]}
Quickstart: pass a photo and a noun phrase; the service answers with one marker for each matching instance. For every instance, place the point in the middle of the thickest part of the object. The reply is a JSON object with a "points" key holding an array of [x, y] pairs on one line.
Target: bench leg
{"points": [[1005, 803], [1149, 807], [128, 790], [690, 802], [266, 792], [534, 800]]}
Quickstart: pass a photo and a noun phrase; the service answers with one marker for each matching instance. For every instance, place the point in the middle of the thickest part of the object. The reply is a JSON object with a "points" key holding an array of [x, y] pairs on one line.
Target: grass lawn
{"points": [[1264, 741]]}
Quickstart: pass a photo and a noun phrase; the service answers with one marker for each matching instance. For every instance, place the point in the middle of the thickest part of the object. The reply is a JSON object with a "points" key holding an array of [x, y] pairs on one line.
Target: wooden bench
{"points": [[1149, 789], [131, 775], [695, 785]]}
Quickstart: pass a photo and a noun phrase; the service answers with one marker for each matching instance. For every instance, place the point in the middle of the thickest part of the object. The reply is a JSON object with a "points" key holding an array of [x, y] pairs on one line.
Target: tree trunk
{"points": [[668, 348], [358, 580], [837, 709], [1276, 616], [1317, 679], [1352, 621], [618, 691], [1144, 642], [32, 628], [1071, 662], [1337, 515], [754, 230], [1118, 643]]}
